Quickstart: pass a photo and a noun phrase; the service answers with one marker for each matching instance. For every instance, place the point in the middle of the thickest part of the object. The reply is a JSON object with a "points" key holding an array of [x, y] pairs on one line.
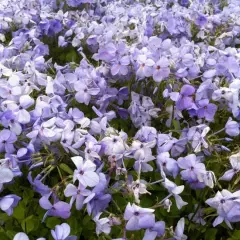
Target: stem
{"points": [[158, 181], [46, 174], [168, 196], [217, 132], [118, 208], [60, 174], [160, 203], [139, 170]]}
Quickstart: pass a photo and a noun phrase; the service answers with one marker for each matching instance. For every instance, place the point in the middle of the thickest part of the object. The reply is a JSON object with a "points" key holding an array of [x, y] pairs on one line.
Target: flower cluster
{"points": [[125, 113]]}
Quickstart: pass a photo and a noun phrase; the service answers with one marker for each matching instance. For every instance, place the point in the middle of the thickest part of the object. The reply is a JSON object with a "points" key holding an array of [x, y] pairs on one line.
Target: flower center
{"points": [[136, 213]]}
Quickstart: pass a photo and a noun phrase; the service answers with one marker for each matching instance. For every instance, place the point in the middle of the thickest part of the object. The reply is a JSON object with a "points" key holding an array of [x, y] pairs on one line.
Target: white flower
{"points": [[102, 225], [85, 172]]}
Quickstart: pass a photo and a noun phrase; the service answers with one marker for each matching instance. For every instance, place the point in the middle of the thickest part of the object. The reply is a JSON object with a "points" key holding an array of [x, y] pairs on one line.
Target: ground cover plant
{"points": [[119, 119]]}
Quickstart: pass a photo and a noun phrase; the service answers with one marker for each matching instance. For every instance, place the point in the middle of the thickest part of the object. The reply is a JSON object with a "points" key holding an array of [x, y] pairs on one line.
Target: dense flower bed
{"points": [[119, 119]]}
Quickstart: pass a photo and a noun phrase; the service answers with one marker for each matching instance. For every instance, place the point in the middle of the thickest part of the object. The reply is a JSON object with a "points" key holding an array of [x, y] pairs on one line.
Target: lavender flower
{"points": [[138, 217], [62, 232], [85, 172], [235, 164], [7, 138], [102, 225]]}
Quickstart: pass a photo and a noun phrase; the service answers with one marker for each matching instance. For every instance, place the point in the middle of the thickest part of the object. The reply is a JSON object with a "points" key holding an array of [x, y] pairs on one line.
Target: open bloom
{"points": [[145, 66], [80, 195], [121, 66], [85, 172], [227, 205], [185, 100], [84, 92], [161, 69], [138, 217], [7, 139], [193, 168], [102, 225]]}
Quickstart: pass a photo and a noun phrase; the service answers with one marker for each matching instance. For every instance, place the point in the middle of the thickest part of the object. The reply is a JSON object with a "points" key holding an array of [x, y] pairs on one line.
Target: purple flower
{"points": [[138, 217], [21, 236], [145, 68], [197, 135], [22, 115], [193, 168], [156, 231], [226, 204], [232, 128], [8, 202], [80, 195], [235, 163], [74, 3], [174, 190], [84, 92], [58, 209], [85, 172], [146, 134], [185, 100], [161, 69], [55, 27], [62, 232], [197, 217], [7, 139], [102, 225], [98, 203], [6, 175], [100, 200], [38, 186], [206, 110], [165, 142], [169, 165], [178, 234], [138, 187], [201, 20], [121, 66], [114, 145]]}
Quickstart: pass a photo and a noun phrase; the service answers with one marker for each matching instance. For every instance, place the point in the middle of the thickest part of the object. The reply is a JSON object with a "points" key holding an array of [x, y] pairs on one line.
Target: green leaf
{"points": [[3, 236], [176, 124], [66, 168], [27, 195], [19, 211], [51, 222], [29, 224], [235, 236], [210, 233], [86, 220], [10, 234]]}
